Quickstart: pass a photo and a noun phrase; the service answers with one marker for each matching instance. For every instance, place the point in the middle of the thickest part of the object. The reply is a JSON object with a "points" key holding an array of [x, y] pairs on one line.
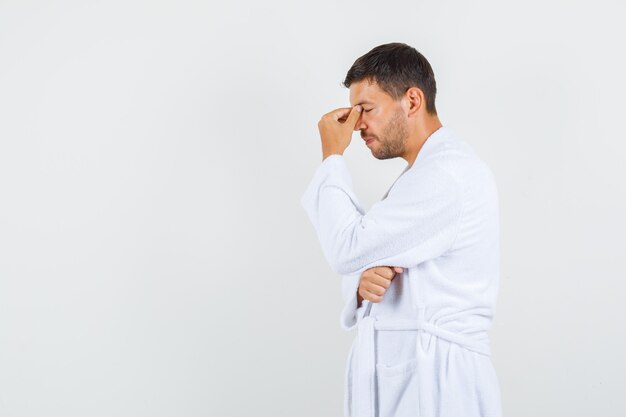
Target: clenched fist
{"points": [[374, 283]]}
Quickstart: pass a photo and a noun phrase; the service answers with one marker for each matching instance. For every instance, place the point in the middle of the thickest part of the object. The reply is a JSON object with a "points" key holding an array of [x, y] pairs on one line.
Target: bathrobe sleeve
{"points": [[417, 221]]}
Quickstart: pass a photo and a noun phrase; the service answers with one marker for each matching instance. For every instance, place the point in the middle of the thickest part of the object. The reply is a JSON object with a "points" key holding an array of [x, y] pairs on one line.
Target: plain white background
{"points": [[154, 256]]}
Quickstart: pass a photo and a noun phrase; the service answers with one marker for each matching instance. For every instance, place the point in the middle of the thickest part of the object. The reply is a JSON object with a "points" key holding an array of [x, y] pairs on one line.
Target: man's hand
{"points": [[336, 128], [374, 283]]}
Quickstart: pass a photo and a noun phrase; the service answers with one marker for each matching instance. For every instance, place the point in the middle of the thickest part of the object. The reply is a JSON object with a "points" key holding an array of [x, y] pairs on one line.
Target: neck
{"points": [[420, 135]]}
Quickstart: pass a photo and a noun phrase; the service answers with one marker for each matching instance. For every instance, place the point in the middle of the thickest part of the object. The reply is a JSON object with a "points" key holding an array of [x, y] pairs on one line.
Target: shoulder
{"points": [[458, 158]]}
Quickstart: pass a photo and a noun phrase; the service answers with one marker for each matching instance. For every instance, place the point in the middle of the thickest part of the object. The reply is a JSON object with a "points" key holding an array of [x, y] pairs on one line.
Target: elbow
{"points": [[339, 267], [345, 252], [342, 262]]}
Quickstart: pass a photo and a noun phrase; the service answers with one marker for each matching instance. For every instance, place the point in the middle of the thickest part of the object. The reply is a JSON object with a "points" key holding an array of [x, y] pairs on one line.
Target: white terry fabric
{"points": [[440, 222]]}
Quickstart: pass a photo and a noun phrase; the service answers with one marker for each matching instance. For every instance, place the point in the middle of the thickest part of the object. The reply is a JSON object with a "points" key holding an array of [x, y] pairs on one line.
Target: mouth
{"points": [[368, 140]]}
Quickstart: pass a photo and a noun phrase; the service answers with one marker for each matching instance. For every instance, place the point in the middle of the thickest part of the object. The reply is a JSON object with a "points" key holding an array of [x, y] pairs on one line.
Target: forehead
{"points": [[366, 92]]}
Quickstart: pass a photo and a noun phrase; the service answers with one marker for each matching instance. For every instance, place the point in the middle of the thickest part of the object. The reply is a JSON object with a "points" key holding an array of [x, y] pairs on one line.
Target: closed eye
{"points": [[368, 110]]}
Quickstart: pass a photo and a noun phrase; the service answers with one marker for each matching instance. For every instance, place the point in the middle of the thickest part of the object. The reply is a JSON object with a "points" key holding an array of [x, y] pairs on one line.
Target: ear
{"points": [[415, 100]]}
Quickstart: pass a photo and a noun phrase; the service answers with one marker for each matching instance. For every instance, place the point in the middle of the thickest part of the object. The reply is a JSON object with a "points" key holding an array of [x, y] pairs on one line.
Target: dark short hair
{"points": [[396, 67]]}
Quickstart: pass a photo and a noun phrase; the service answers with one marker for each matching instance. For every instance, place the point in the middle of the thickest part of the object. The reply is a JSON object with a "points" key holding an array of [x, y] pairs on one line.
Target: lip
{"points": [[368, 141]]}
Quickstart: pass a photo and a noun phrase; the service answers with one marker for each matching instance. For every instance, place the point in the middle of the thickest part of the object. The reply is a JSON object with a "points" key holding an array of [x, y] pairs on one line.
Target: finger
{"points": [[385, 272], [354, 116], [375, 298], [398, 269], [375, 288], [340, 115], [380, 281], [373, 276], [347, 114], [372, 297], [376, 274]]}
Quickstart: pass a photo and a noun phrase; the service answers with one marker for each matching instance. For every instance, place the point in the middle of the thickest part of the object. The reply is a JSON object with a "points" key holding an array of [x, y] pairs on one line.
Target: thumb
{"points": [[354, 116], [398, 268]]}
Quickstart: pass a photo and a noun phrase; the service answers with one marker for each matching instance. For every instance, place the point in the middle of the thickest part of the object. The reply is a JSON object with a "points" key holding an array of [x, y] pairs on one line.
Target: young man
{"points": [[421, 268]]}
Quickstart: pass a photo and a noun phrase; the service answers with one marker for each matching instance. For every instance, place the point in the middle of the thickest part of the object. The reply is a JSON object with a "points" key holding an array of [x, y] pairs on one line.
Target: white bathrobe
{"points": [[424, 349]]}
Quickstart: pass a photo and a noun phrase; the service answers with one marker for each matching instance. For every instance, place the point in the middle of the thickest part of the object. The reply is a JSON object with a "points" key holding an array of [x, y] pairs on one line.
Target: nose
{"points": [[360, 125]]}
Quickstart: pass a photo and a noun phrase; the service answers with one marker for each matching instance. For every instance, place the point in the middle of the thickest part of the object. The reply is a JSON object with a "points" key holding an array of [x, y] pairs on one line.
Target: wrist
{"points": [[326, 154]]}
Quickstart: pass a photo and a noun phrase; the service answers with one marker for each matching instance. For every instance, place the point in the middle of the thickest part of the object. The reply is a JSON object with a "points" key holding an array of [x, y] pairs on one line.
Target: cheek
{"points": [[372, 122]]}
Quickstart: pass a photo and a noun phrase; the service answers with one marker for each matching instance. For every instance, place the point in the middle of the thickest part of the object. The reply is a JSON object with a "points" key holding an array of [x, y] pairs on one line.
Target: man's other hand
{"points": [[374, 283]]}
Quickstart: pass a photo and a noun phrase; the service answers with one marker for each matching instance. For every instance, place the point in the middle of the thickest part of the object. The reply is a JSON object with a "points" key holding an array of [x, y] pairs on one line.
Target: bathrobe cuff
{"points": [[333, 171], [350, 315]]}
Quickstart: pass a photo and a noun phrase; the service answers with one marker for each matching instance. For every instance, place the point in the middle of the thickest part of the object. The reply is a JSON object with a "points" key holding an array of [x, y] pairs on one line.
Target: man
{"points": [[421, 267]]}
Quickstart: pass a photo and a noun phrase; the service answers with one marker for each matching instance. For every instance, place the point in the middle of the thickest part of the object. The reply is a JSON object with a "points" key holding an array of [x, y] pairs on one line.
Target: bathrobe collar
{"points": [[434, 142], [438, 139]]}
